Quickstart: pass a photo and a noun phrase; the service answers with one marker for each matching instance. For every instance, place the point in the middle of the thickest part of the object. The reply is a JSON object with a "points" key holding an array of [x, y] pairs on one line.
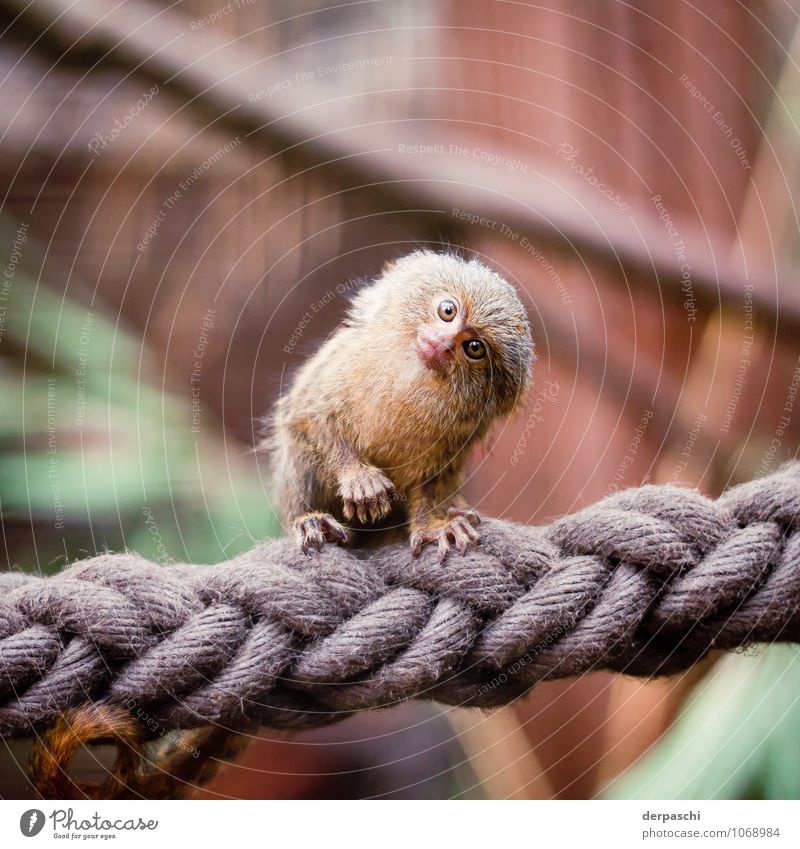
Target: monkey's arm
{"points": [[437, 513], [365, 491], [317, 469]]}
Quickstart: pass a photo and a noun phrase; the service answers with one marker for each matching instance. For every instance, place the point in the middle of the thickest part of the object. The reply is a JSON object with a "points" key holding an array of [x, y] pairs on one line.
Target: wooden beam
{"points": [[219, 75]]}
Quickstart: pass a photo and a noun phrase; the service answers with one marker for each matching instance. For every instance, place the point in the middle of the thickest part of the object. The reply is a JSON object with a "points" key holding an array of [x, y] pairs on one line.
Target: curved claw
{"points": [[366, 496], [458, 532], [470, 515], [419, 540], [315, 529]]}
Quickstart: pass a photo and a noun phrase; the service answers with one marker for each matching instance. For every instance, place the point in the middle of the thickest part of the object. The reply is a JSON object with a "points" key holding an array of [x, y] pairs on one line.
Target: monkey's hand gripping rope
{"points": [[645, 582]]}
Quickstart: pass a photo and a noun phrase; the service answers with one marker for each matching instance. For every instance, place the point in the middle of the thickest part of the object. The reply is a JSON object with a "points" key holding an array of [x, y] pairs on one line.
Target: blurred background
{"points": [[192, 191]]}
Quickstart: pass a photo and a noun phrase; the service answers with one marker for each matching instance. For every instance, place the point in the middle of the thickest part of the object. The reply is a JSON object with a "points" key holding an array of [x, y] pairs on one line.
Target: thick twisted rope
{"points": [[645, 582]]}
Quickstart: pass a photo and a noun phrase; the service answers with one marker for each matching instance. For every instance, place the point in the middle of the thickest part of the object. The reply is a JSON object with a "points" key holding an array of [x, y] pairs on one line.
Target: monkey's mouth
{"points": [[435, 352]]}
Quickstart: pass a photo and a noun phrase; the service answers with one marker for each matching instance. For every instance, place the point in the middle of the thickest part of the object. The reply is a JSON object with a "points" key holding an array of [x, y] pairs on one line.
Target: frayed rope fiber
{"points": [[645, 582]]}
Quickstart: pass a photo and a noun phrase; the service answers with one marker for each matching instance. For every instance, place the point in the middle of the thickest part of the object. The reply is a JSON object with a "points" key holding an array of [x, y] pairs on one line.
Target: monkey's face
{"points": [[475, 342], [448, 338], [464, 330]]}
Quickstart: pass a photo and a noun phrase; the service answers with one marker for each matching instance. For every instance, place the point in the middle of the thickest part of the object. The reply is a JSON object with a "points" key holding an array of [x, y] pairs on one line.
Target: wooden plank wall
{"points": [[638, 98]]}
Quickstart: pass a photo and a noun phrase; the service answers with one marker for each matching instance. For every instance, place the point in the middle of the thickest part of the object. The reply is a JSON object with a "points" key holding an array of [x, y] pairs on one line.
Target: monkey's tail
{"points": [[173, 772]]}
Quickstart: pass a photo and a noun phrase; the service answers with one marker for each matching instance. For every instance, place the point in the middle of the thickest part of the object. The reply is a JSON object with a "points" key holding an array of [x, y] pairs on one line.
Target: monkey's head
{"points": [[458, 326]]}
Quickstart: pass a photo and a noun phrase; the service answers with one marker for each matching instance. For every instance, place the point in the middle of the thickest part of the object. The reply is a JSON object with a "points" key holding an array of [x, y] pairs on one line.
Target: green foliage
{"points": [[94, 455], [735, 739]]}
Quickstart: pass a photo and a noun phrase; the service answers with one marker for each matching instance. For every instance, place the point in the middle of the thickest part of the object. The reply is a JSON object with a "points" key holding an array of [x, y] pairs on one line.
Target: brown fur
{"points": [[369, 435], [171, 774], [54, 751]]}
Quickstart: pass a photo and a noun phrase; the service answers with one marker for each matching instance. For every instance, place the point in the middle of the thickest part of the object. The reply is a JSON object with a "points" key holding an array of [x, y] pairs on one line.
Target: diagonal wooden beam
{"points": [[220, 76]]}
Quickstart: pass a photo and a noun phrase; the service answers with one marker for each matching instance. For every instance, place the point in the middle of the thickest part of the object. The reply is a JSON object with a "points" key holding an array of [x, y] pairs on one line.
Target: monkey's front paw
{"points": [[366, 494], [458, 531], [316, 529]]}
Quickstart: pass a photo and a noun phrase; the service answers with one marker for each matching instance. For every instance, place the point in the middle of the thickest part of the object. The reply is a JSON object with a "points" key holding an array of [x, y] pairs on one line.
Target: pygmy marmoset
{"points": [[376, 427]]}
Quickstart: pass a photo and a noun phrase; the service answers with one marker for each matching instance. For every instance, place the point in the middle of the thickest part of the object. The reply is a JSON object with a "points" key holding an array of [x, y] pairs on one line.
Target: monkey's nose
{"points": [[434, 350]]}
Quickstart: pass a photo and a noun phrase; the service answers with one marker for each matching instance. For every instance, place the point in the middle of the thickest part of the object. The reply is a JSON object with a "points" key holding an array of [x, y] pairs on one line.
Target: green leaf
{"points": [[736, 738]]}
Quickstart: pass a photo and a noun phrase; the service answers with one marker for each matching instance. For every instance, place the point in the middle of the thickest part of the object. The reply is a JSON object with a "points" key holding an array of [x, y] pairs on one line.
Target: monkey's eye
{"points": [[475, 349], [447, 310]]}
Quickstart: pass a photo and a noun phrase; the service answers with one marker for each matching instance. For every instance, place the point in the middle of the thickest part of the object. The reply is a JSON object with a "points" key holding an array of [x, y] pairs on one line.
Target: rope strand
{"points": [[645, 582]]}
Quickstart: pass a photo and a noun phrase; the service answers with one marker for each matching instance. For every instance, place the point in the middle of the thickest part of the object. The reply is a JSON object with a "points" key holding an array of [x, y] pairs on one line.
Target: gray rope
{"points": [[645, 582]]}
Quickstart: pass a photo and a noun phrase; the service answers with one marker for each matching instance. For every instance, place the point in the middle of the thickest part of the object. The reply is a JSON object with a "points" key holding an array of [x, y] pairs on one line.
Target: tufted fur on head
{"points": [[406, 296], [382, 418]]}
